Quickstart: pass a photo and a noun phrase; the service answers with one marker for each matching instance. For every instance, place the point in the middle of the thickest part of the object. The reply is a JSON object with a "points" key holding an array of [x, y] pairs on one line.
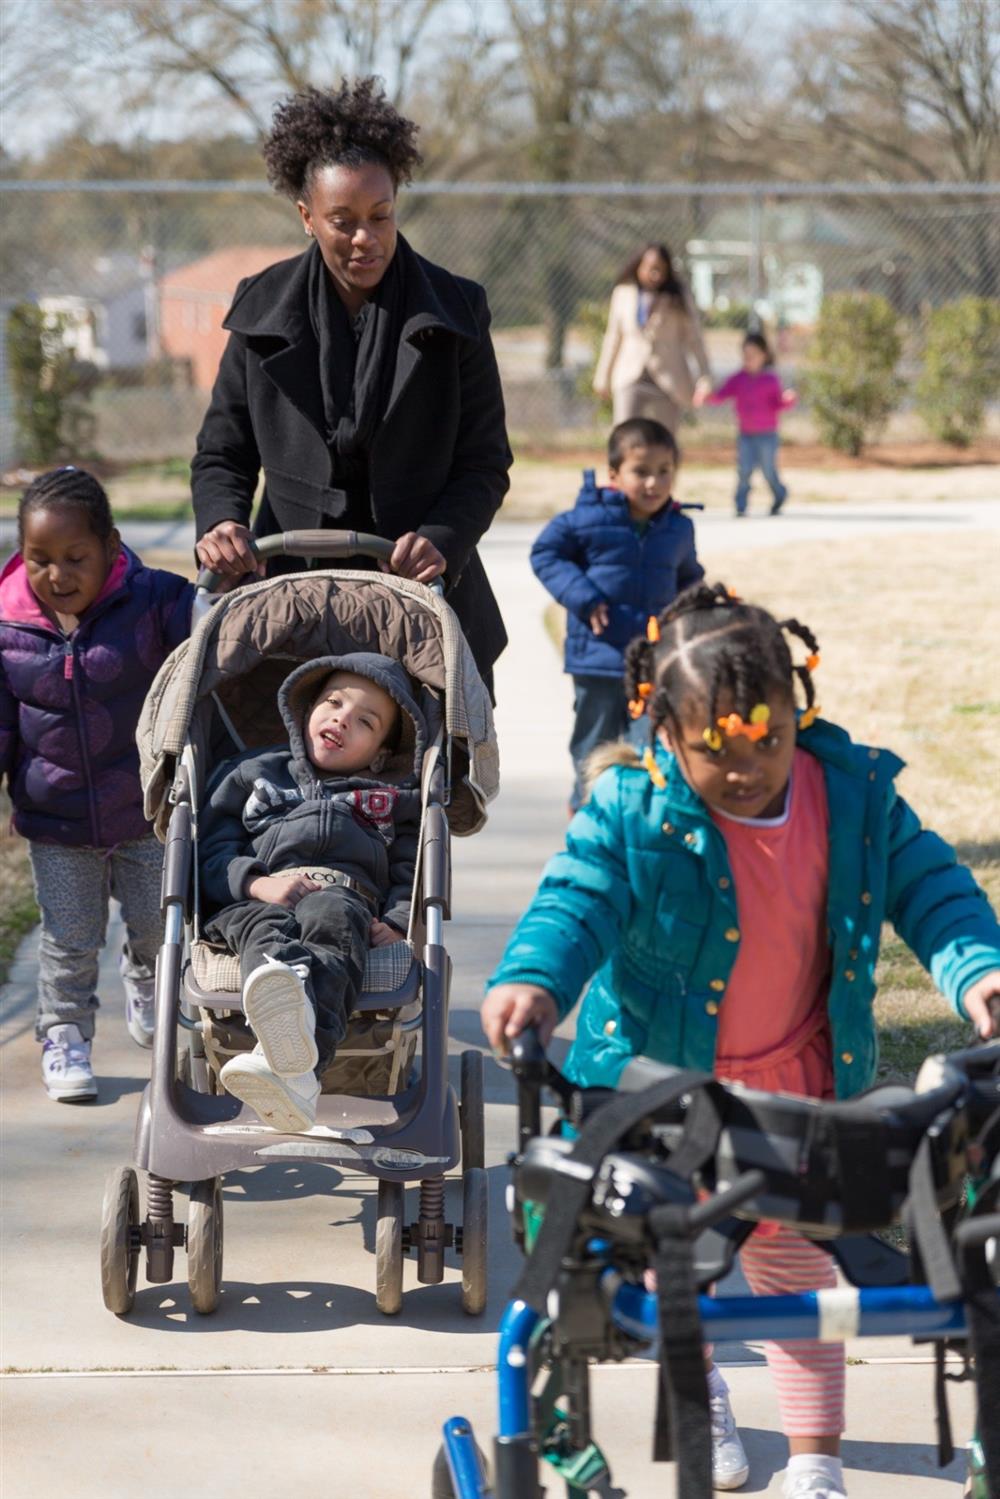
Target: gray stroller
{"points": [[387, 1108]]}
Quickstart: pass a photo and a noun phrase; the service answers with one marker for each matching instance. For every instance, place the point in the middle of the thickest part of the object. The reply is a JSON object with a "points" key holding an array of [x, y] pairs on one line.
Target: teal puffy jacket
{"points": [[641, 902]]}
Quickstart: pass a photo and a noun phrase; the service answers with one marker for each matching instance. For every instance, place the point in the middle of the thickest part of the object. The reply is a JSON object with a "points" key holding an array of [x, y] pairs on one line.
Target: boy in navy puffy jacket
{"points": [[621, 554]]}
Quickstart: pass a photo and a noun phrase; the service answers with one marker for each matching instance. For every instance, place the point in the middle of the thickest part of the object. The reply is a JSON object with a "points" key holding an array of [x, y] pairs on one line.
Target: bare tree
{"points": [[906, 88], [243, 53]]}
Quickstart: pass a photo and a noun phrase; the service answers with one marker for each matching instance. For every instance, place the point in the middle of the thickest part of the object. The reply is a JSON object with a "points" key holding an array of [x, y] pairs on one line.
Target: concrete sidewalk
{"points": [[297, 1381]]}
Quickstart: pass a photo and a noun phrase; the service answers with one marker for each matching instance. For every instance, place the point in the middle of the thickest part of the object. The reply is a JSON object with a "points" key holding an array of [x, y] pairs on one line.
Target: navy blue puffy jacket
{"points": [[594, 554]]}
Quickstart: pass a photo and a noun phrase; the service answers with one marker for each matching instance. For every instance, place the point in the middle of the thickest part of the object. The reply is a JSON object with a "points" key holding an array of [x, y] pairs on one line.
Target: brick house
{"points": [[194, 299]]}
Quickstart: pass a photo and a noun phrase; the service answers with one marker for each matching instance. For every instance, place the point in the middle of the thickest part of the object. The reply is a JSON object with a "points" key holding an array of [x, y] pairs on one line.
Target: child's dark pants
{"points": [[328, 929]]}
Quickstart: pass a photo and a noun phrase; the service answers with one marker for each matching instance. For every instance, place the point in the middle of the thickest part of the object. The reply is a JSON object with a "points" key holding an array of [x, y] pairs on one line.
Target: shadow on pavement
{"points": [[300, 1306], [768, 1455]]}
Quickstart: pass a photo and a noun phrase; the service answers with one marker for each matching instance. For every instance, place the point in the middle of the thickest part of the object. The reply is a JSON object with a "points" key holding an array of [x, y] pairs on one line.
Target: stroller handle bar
{"points": [[339, 544]]}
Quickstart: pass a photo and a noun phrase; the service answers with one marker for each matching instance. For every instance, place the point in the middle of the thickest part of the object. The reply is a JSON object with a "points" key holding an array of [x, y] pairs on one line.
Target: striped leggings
{"points": [[808, 1376]]}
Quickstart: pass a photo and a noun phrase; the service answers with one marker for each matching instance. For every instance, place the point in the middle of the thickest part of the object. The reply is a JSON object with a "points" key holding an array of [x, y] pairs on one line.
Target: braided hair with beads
{"points": [[67, 488], [709, 643]]}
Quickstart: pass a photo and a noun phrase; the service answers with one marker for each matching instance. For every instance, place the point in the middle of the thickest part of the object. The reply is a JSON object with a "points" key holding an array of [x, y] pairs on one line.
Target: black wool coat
{"points": [[438, 461]]}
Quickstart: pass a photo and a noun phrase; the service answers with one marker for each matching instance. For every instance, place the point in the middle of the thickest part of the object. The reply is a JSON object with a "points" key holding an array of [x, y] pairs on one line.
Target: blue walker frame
{"points": [[834, 1315]]}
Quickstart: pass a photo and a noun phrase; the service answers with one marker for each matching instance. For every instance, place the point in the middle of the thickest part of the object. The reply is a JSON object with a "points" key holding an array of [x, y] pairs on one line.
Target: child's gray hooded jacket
{"points": [[270, 810]]}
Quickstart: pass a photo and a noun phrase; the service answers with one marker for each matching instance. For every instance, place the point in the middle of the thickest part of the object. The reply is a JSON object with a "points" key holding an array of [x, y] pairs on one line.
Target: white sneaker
{"points": [[814, 1484], [730, 1468], [140, 1015], [287, 1104], [66, 1070], [280, 1014]]}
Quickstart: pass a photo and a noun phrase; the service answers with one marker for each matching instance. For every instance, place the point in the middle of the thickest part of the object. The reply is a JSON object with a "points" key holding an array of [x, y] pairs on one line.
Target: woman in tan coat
{"points": [[652, 336]]}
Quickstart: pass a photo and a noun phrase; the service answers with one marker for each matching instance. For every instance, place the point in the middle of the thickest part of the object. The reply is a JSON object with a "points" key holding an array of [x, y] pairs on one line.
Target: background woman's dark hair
{"points": [[67, 488], [713, 644], [349, 126], [672, 287], [758, 341]]}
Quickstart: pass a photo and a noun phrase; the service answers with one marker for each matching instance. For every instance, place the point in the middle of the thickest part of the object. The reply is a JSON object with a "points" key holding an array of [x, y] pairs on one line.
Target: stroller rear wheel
{"points": [[389, 1248], [475, 1209], [470, 1109], [204, 1244], [120, 1240]]}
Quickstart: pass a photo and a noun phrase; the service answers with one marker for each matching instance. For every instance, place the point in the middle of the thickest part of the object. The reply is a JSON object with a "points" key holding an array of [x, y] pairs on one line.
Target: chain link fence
{"points": [[141, 274]]}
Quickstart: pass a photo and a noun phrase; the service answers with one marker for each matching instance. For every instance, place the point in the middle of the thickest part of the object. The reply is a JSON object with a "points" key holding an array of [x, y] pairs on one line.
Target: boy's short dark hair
{"points": [[639, 432]]}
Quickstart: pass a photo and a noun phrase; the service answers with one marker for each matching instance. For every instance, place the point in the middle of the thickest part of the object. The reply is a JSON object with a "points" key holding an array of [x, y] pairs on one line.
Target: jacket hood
{"points": [[297, 692], [20, 606], [614, 500]]}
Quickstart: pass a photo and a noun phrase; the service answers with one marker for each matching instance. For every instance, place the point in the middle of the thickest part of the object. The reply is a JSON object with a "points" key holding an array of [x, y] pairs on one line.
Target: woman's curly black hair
{"points": [[349, 126], [713, 644]]}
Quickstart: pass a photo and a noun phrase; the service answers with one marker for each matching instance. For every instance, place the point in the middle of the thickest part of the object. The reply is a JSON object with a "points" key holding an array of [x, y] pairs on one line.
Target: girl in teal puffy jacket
{"points": [[721, 900]]}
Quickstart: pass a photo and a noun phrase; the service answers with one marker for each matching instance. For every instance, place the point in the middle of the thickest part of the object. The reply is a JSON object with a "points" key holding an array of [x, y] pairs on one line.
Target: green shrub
{"points": [[736, 316], [851, 382], [961, 368], [51, 387], [592, 318]]}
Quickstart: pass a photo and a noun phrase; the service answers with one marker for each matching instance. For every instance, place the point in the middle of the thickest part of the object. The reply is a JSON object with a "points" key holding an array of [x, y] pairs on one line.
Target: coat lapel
{"points": [[273, 309]]}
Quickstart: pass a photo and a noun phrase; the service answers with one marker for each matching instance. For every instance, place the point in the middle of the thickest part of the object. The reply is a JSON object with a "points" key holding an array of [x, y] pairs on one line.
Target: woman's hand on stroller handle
{"points": [[510, 1008], [415, 556], [228, 552]]}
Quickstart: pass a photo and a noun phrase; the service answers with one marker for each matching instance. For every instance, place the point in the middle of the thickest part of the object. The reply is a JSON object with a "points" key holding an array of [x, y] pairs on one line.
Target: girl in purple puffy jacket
{"points": [[84, 628]]}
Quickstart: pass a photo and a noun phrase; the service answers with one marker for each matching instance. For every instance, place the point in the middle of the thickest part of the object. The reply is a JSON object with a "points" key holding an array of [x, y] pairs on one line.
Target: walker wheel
{"points": [[471, 1114], [389, 1248], [441, 1484], [204, 1244], [475, 1217], [120, 1240]]}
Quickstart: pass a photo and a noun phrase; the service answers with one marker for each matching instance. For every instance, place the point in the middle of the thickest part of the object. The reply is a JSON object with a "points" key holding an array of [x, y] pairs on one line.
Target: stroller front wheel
{"points": [[475, 1209], [389, 1248], [120, 1241], [204, 1244]]}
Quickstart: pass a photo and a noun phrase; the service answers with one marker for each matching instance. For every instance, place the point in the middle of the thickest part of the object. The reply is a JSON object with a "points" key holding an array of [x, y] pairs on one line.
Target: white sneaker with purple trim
{"points": [[66, 1070]]}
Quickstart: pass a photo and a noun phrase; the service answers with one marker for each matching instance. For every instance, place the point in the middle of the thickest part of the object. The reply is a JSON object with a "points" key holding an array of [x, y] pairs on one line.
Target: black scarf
{"points": [[357, 360]]}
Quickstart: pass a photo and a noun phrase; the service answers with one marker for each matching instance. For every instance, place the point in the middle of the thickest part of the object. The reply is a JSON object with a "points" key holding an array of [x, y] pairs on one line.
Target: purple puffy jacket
{"points": [[69, 704]]}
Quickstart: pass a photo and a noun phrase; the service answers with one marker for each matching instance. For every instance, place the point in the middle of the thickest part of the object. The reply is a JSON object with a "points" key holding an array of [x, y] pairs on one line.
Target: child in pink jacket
{"points": [[759, 399]]}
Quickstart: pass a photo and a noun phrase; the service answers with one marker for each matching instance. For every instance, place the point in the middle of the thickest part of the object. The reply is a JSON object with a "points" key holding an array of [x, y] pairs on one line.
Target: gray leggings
{"points": [[72, 887]]}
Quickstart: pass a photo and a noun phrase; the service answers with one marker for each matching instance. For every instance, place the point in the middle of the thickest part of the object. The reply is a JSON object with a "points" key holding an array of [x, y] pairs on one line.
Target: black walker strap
{"points": [[683, 1426], [928, 1238], [945, 1444], [602, 1132]]}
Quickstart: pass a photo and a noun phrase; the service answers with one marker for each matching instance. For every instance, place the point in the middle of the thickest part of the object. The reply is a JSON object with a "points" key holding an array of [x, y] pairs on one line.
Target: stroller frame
{"points": [[416, 1134]]}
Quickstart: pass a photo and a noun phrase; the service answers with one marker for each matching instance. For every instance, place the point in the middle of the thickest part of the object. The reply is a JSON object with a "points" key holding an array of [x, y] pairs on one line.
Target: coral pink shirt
{"points": [[773, 1028]]}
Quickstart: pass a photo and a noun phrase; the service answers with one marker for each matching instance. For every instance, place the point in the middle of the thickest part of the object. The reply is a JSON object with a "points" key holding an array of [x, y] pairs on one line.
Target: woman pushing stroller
{"points": [[308, 857]]}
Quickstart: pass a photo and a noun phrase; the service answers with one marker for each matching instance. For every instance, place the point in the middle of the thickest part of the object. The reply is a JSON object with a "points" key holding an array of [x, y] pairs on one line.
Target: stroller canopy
{"points": [[249, 641]]}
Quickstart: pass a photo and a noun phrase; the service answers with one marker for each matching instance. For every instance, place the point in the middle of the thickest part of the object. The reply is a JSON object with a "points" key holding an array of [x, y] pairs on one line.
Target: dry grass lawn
{"points": [[908, 629]]}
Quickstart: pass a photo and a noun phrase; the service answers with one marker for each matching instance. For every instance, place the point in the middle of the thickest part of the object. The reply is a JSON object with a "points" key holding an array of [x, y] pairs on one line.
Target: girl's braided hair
{"points": [[712, 643], [348, 126], [67, 488]]}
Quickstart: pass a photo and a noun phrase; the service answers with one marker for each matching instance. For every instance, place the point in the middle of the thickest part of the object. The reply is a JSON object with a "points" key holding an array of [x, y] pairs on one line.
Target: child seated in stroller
{"points": [[308, 859]]}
